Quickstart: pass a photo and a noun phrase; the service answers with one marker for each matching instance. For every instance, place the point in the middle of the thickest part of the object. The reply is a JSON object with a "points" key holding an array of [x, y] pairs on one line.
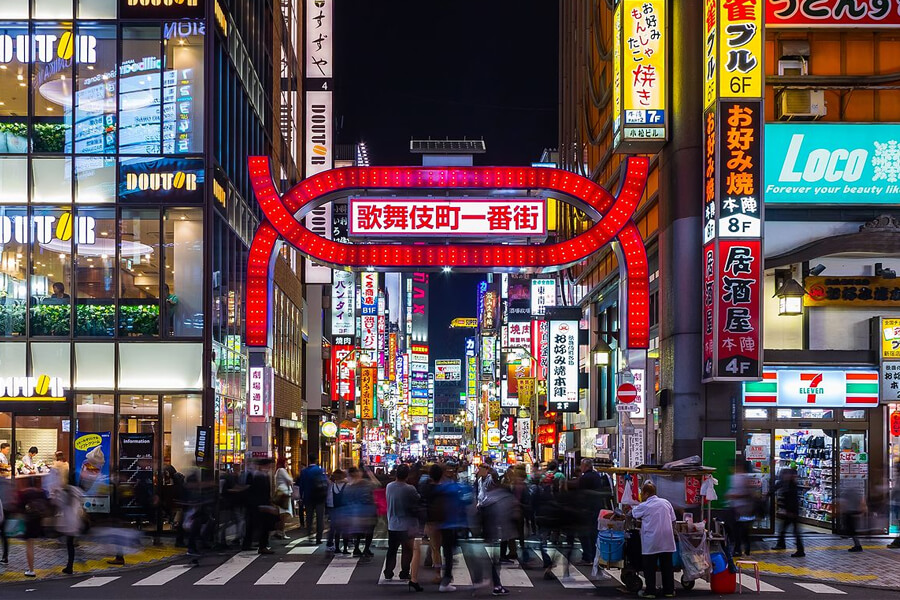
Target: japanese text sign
{"points": [[832, 13], [319, 22], [342, 376], [543, 294], [519, 335], [562, 385], [853, 291], [711, 52], [740, 157], [641, 46], [740, 37], [890, 381], [815, 387], [343, 304], [732, 305], [430, 216], [507, 429], [890, 338], [368, 379], [448, 370], [260, 392], [369, 293]]}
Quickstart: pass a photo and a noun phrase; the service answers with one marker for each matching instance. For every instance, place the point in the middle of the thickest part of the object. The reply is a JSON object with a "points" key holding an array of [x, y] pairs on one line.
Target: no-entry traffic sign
{"points": [[626, 393]]}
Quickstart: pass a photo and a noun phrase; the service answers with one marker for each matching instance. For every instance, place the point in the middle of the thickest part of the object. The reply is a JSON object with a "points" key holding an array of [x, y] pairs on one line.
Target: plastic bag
{"points": [[708, 489], [694, 556], [628, 495]]}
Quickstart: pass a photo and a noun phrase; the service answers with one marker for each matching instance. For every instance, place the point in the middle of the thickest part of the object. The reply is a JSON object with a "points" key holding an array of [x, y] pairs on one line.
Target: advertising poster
{"points": [[136, 472], [367, 381], [92, 453]]}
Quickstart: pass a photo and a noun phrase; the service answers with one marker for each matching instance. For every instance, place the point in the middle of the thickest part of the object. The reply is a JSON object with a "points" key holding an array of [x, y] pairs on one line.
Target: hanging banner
{"points": [[368, 379], [562, 384], [523, 432], [526, 391], [342, 387], [343, 304], [808, 14]]}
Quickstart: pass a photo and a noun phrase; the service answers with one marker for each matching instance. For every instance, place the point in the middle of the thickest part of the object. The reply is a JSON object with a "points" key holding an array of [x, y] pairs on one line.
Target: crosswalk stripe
{"points": [[510, 575], [303, 550], [164, 576], [279, 573], [461, 575], [575, 580], [338, 571], [382, 580], [94, 582], [749, 583], [228, 569], [820, 588]]}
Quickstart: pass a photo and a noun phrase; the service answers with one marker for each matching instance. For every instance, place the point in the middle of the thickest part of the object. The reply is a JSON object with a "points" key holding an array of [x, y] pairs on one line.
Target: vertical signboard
{"points": [[420, 307], [540, 348], [368, 303], [368, 379], [543, 294], [319, 143], [640, 45], [392, 357], [343, 304], [562, 384], [342, 375], [732, 194]]}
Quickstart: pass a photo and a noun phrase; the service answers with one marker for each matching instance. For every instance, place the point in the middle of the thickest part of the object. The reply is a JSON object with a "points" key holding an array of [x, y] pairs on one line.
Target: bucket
{"points": [[611, 545], [723, 583], [718, 561]]}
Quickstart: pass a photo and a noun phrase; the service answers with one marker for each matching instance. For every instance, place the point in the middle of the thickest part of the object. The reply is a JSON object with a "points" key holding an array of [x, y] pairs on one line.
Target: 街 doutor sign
{"points": [[285, 212]]}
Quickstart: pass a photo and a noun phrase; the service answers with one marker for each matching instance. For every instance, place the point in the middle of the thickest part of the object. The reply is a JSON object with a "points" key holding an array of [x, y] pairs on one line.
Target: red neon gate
{"points": [[616, 223]]}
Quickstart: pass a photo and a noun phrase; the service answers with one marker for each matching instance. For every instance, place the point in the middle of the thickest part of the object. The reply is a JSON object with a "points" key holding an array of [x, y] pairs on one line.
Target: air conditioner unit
{"points": [[800, 105], [793, 66]]}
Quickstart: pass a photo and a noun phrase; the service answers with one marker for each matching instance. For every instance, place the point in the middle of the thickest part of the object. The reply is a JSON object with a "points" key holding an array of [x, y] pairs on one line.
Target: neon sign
{"points": [[284, 214]]}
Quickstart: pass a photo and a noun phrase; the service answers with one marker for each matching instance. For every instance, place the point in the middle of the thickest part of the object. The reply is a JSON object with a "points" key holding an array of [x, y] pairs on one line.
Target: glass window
{"points": [[183, 285], [95, 366], [140, 84], [96, 9], [51, 180], [139, 272], [855, 414], [14, 9], [6, 444], [95, 91], [51, 9], [46, 435], [13, 187], [95, 179], [51, 279], [183, 88], [181, 416], [13, 294], [161, 365], [52, 86], [756, 413], [53, 359], [95, 412], [805, 413], [13, 89], [95, 247], [12, 359]]}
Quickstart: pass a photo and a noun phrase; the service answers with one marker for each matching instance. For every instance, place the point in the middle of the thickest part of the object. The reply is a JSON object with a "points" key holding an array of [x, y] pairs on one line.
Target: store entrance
{"points": [[29, 444], [830, 464]]}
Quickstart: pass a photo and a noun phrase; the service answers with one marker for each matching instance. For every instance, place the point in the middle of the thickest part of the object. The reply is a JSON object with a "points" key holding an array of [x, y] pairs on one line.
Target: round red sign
{"points": [[626, 393]]}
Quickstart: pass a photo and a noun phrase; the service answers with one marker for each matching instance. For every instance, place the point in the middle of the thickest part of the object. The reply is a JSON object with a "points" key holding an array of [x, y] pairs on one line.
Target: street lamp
{"points": [[790, 298], [602, 353]]}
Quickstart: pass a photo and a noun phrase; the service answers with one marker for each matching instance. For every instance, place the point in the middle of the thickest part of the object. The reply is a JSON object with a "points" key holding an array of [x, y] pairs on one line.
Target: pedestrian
{"points": [[852, 505], [590, 496], [657, 540], [36, 507], [314, 491], [173, 501], [246, 481], [70, 519], [427, 485], [788, 494], [361, 511], [451, 500], [335, 503], [402, 515], [741, 500], [260, 497], [59, 474], [497, 512], [549, 511], [282, 499]]}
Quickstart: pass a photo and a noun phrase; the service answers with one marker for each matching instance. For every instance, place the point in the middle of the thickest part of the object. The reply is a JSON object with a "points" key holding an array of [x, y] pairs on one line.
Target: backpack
{"points": [[319, 490], [337, 494]]}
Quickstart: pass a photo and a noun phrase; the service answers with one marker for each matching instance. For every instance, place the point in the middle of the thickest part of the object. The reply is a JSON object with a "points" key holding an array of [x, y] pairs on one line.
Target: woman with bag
{"points": [[282, 498], [71, 520]]}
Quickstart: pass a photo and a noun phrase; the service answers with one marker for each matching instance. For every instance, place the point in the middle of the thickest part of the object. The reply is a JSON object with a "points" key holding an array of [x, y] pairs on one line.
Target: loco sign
{"points": [[284, 214]]}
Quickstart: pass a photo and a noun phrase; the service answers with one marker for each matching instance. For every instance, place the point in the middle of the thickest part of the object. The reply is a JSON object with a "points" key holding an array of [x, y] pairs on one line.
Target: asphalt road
{"points": [[300, 570]]}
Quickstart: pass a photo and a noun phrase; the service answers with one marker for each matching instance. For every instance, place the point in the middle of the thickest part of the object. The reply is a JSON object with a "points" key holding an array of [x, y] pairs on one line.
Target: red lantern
{"points": [[895, 423]]}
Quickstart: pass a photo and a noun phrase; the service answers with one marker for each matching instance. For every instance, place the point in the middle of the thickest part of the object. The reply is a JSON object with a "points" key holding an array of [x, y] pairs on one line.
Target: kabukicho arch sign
{"points": [[612, 216]]}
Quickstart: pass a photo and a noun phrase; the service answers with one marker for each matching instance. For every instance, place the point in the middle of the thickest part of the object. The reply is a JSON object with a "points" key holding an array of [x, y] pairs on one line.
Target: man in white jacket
{"points": [[657, 540]]}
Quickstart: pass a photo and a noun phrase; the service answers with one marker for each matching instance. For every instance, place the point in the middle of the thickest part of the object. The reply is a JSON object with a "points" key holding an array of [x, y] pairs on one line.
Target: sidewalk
{"points": [[827, 559], [90, 558]]}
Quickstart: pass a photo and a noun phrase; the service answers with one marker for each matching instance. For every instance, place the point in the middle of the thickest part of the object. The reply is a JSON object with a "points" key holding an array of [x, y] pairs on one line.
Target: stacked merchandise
{"points": [[810, 452]]}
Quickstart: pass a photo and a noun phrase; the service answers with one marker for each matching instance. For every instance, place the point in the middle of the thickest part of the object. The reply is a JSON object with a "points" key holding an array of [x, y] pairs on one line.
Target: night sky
{"points": [[472, 68]]}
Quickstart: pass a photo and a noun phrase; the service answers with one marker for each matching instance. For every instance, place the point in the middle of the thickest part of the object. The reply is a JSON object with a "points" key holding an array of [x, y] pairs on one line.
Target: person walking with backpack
{"points": [[335, 503], [402, 514], [548, 509], [314, 491], [70, 521], [36, 507]]}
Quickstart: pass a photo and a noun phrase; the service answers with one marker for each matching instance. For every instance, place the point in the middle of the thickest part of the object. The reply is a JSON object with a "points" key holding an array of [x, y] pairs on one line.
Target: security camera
{"points": [[817, 270]]}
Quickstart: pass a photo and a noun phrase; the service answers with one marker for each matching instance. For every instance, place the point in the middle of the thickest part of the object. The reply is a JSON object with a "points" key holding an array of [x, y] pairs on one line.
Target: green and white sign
{"points": [[832, 163]]}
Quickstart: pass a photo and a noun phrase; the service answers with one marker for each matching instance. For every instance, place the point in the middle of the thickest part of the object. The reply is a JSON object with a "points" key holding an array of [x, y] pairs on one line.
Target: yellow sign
{"points": [[494, 410], [740, 61], [526, 390], [852, 291], [464, 323], [617, 75], [642, 74], [711, 51], [87, 441], [890, 338], [418, 411], [329, 429], [367, 380]]}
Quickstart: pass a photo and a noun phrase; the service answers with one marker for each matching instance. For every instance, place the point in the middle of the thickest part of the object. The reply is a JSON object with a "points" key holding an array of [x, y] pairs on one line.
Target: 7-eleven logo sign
{"points": [[821, 388]]}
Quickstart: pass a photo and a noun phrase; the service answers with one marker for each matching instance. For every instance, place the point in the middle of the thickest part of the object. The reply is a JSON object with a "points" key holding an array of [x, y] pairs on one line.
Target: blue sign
{"points": [[832, 163], [92, 456]]}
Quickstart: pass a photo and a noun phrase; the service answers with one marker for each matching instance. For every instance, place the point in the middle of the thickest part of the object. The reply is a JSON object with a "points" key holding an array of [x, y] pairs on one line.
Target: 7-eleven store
{"points": [[826, 422]]}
